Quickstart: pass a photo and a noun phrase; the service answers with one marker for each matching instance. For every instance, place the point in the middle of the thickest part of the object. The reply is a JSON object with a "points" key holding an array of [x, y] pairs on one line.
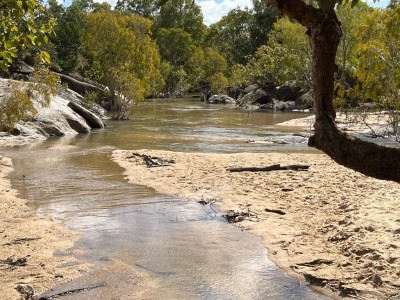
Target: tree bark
{"points": [[323, 29]]}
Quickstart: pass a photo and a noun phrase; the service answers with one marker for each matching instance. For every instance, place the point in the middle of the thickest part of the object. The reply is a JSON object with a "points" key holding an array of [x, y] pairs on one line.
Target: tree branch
{"points": [[298, 10], [367, 158]]}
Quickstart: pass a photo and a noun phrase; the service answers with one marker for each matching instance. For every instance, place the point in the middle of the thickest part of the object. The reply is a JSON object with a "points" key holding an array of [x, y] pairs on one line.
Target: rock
{"points": [[256, 97], [305, 101], [93, 120], [56, 119], [220, 99], [249, 89], [283, 105], [287, 92], [76, 122], [54, 125]]}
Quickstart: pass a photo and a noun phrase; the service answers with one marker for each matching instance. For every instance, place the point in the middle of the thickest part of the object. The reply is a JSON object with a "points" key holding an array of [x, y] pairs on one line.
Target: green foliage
{"points": [[17, 103], [66, 44], [378, 63], [214, 63], [239, 34], [291, 53], [238, 76], [177, 83], [218, 83], [174, 45], [183, 14], [121, 50], [231, 36], [132, 92], [21, 31], [145, 8]]}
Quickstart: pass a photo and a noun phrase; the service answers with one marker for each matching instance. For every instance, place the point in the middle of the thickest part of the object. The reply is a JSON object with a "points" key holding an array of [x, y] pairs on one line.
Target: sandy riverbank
{"points": [[28, 244], [340, 231]]}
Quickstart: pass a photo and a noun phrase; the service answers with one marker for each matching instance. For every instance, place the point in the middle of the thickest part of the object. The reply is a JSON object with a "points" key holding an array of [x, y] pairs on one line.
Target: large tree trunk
{"points": [[325, 33]]}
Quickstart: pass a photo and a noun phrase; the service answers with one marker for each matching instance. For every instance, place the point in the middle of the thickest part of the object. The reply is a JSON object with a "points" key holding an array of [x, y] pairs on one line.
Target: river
{"points": [[189, 248]]}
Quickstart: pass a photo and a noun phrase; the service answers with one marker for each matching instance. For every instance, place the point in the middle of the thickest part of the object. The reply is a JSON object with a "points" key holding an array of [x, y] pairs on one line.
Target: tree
{"points": [[183, 14], [21, 32], [324, 32], [378, 61], [264, 16], [145, 8], [67, 53], [285, 57], [231, 36], [122, 51], [218, 83]]}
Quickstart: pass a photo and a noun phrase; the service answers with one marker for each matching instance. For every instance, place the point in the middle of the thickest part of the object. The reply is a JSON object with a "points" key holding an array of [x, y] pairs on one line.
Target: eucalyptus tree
{"points": [[242, 31], [231, 36], [378, 61], [324, 33], [145, 8], [264, 16], [175, 47], [123, 57], [183, 14]]}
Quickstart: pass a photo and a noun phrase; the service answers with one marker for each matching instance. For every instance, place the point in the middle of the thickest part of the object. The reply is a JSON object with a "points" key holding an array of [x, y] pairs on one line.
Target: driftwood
{"points": [[84, 289], [19, 262], [270, 168], [275, 211], [153, 161], [236, 217]]}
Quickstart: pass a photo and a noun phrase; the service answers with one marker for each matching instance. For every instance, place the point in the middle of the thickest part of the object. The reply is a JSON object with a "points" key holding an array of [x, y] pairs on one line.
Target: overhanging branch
{"points": [[367, 158]]}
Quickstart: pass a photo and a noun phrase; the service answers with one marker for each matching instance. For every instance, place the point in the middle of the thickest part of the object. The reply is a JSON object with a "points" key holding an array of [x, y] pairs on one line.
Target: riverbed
{"points": [[187, 250]]}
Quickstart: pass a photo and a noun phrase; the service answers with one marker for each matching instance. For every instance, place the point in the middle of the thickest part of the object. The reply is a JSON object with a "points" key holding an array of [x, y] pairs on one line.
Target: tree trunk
{"points": [[325, 33]]}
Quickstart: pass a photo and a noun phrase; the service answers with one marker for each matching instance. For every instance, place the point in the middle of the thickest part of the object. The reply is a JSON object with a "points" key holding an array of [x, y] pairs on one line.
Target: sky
{"points": [[214, 10]]}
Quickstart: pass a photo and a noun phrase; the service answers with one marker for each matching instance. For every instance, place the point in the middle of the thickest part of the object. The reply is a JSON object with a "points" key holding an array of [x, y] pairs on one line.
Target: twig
{"points": [[270, 168], [276, 211]]}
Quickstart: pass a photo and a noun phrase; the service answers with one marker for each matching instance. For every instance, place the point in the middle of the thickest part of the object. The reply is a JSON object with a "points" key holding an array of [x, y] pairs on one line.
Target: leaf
{"points": [[45, 57]]}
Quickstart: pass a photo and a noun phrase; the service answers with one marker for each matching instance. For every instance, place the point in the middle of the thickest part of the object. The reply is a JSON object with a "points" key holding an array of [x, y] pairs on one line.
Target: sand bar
{"points": [[340, 231]]}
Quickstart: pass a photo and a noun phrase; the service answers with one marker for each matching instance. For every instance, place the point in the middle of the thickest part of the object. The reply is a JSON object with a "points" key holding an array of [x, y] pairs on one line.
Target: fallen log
{"points": [[270, 168]]}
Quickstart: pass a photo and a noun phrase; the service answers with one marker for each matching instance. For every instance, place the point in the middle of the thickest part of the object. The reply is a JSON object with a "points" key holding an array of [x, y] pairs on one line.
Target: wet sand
{"points": [[340, 231], [28, 244]]}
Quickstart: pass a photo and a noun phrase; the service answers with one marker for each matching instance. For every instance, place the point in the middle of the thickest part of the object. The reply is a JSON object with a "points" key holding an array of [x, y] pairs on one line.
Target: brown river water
{"points": [[191, 251]]}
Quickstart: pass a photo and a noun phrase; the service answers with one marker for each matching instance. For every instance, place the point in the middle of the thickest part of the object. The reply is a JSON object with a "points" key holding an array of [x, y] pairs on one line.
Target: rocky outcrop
{"points": [[271, 97], [57, 119], [221, 99], [256, 97], [93, 120], [287, 92]]}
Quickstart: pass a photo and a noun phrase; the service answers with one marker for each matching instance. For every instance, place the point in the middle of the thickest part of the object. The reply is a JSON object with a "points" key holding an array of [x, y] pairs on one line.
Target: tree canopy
{"points": [[21, 31]]}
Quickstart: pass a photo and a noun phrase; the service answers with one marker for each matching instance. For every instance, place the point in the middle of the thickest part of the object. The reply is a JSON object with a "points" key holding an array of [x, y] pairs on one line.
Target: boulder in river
{"points": [[220, 99], [257, 97]]}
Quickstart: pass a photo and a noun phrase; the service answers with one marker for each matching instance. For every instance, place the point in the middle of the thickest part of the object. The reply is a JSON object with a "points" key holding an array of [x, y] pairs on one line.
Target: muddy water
{"points": [[191, 251]]}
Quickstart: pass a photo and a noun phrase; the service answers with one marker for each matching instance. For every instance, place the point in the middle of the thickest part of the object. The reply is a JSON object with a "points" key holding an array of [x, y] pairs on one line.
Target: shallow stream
{"points": [[189, 248]]}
